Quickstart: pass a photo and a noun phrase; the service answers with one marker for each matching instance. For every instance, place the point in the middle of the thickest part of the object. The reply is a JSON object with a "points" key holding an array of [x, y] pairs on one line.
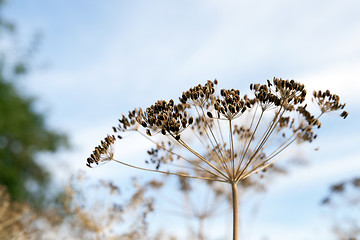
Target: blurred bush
{"points": [[23, 131]]}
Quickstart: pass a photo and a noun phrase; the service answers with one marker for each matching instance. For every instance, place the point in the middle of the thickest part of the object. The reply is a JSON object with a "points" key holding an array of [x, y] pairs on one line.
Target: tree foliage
{"points": [[23, 131]]}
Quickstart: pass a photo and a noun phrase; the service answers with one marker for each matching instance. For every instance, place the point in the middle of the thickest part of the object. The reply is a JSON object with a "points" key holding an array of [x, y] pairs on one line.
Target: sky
{"points": [[98, 59]]}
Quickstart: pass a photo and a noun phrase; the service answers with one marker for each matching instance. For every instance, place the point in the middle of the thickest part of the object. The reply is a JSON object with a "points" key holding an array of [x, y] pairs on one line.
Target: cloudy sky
{"points": [[98, 59]]}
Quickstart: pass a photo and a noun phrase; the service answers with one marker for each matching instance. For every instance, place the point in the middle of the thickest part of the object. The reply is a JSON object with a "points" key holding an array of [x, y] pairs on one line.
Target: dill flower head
{"points": [[103, 152], [223, 136]]}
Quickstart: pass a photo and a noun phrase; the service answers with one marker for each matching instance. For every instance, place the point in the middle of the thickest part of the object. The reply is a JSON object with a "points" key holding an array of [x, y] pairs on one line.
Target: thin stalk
{"points": [[187, 160], [221, 139], [216, 157], [204, 122], [264, 139], [201, 229], [270, 129], [247, 148], [222, 175], [170, 173], [266, 163], [244, 151], [235, 200], [232, 158]]}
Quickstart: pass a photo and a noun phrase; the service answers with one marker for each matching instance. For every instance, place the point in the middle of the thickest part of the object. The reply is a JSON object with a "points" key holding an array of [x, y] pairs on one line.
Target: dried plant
{"points": [[343, 201], [111, 217], [15, 217], [200, 202], [92, 215], [234, 136]]}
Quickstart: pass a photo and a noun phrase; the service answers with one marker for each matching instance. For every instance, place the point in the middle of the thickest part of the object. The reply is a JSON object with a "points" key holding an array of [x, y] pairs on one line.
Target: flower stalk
{"points": [[230, 138], [235, 209]]}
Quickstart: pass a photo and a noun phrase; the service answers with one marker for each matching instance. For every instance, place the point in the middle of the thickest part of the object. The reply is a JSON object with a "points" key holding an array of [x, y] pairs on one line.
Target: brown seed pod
{"points": [[148, 132], [191, 120], [344, 114]]}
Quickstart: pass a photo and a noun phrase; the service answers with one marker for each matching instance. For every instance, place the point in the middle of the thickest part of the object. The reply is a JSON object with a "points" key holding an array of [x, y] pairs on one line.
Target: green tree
{"points": [[23, 132]]}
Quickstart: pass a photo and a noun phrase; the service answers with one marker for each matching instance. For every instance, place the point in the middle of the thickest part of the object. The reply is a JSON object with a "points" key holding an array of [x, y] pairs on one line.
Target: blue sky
{"points": [[98, 59]]}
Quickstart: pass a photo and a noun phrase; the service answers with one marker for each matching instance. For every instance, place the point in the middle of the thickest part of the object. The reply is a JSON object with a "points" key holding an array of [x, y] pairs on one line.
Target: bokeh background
{"points": [[98, 59]]}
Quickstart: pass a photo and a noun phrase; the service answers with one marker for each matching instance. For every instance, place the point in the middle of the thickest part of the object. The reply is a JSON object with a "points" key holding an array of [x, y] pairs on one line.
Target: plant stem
{"points": [[235, 211], [201, 229]]}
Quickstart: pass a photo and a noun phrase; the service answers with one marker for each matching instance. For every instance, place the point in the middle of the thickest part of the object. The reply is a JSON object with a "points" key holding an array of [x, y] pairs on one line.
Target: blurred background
{"points": [[69, 69]]}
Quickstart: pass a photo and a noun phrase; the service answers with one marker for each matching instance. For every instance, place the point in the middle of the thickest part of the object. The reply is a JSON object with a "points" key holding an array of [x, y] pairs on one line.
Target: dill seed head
{"points": [[165, 117], [327, 102], [257, 130], [102, 152], [231, 105], [276, 113], [199, 95]]}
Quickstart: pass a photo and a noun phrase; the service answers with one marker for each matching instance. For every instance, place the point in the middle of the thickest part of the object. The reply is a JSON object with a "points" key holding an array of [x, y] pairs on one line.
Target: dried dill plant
{"points": [[223, 137], [15, 217], [186, 202], [200, 202], [101, 217], [342, 203]]}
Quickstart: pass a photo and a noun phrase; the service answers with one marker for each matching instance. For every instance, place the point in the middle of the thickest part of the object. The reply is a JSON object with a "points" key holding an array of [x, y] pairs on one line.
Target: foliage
{"points": [[23, 131]]}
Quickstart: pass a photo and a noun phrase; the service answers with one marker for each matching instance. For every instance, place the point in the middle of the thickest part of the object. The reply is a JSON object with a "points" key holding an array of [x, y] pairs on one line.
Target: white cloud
{"points": [[341, 79]]}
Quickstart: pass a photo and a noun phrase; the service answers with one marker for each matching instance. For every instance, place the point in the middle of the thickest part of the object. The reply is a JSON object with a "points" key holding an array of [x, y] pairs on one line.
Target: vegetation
{"points": [[23, 131], [216, 137], [342, 203], [233, 136]]}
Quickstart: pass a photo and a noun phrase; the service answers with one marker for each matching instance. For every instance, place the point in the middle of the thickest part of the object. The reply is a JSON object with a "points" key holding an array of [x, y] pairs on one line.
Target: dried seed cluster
{"points": [[158, 156], [202, 109], [340, 188], [200, 95], [290, 90], [285, 93], [242, 132], [284, 122], [130, 122], [306, 134], [310, 119], [328, 102], [101, 150], [231, 105], [166, 117], [305, 129]]}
